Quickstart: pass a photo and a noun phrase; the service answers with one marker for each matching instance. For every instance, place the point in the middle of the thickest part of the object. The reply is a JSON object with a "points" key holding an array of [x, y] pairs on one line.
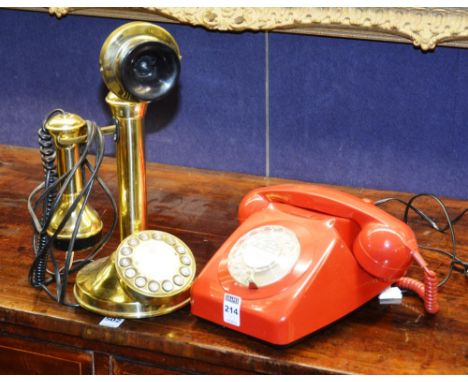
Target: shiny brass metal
{"points": [[65, 141], [107, 286], [103, 287], [61, 127], [130, 153], [120, 43]]}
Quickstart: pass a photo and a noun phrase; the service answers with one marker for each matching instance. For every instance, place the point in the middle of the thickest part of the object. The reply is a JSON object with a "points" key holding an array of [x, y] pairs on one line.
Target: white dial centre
{"points": [[263, 255], [155, 264], [156, 260], [260, 258]]}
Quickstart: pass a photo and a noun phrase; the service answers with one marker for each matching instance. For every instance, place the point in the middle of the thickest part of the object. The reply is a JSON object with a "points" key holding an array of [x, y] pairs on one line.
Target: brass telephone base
{"points": [[89, 230], [132, 283], [79, 244], [98, 289]]}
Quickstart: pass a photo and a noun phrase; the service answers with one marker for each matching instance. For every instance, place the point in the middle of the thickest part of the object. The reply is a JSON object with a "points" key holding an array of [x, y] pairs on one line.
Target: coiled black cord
{"points": [[50, 199], [48, 155]]}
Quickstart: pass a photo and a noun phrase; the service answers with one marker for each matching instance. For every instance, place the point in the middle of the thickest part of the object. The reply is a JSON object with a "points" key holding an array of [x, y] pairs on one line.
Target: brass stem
{"points": [[130, 154], [66, 159]]}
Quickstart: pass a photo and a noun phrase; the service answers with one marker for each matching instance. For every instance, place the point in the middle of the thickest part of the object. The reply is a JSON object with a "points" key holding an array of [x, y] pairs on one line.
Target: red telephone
{"points": [[303, 256]]}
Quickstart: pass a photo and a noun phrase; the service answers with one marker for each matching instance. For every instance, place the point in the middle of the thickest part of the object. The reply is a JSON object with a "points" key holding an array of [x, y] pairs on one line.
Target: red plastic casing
{"points": [[350, 252]]}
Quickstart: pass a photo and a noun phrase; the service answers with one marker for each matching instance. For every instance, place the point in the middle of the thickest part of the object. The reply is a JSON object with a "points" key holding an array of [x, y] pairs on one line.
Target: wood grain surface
{"points": [[200, 207]]}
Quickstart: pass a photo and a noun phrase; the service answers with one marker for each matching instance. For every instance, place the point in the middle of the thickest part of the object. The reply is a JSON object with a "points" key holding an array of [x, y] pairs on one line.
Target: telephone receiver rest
{"points": [[384, 245], [61, 126]]}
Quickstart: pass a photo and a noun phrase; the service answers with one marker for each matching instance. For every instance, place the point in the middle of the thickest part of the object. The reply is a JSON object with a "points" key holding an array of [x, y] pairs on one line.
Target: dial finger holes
{"points": [[185, 260], [153, 286], [180, 249], [130, 273], [185, 271], [126, 251], [178, 280], [133, 242], [140, 282], [264, 255], [157, 236], [167, 286], [156, 264], [125, 262], [143, 236]]}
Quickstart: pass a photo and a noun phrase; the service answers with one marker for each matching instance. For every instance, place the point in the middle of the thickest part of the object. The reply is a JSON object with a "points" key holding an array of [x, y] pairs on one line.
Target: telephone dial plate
{"points": [[155, 263], [263, 256]]}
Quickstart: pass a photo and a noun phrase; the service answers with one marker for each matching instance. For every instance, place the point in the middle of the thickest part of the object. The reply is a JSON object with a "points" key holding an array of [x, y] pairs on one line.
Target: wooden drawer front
{"points": [[24, 356], [124, 366]]}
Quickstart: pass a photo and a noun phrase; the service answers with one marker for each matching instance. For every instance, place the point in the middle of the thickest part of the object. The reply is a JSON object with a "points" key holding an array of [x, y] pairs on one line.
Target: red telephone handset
{"points": [[302, 257], [384, 244]]}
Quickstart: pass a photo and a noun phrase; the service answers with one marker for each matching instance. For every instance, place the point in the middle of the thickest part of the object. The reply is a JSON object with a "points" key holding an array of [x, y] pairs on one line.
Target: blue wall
{"points": [[360, 113]]}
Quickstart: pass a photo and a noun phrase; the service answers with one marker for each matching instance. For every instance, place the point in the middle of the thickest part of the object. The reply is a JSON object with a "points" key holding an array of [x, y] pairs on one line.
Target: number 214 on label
{"points": [[232, 309]]}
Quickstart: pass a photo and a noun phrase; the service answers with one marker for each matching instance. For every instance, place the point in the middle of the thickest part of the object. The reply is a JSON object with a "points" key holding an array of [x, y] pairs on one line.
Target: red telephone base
{"points": [[325, 284]]}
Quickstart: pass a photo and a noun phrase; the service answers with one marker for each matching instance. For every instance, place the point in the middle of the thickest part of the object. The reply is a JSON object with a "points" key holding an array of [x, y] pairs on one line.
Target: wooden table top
{"points": [[201, 208]]}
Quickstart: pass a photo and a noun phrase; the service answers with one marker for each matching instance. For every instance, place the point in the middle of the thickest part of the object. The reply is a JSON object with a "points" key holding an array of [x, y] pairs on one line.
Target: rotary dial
{"points": [[155, 263], [263, 256]]}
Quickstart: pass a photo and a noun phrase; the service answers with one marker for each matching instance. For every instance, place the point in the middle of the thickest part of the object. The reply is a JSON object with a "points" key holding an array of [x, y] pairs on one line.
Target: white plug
{"points": [[391, 295]]}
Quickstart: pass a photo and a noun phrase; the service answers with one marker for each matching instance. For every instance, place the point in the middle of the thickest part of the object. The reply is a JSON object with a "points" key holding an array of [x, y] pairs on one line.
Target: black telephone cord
{"points": [[43, 251], [48, 155], [456, 263]]}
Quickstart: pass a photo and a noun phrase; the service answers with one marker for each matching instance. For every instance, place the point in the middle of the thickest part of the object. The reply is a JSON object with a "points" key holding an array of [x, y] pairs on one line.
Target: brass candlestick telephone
{"points": [[150, 273]]}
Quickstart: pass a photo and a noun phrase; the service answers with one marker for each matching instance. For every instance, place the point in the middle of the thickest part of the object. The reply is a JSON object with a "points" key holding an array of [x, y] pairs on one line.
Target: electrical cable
{"points": [[48, 155], [50, 200], [86, 190], [456, 263], [426, 290]]}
